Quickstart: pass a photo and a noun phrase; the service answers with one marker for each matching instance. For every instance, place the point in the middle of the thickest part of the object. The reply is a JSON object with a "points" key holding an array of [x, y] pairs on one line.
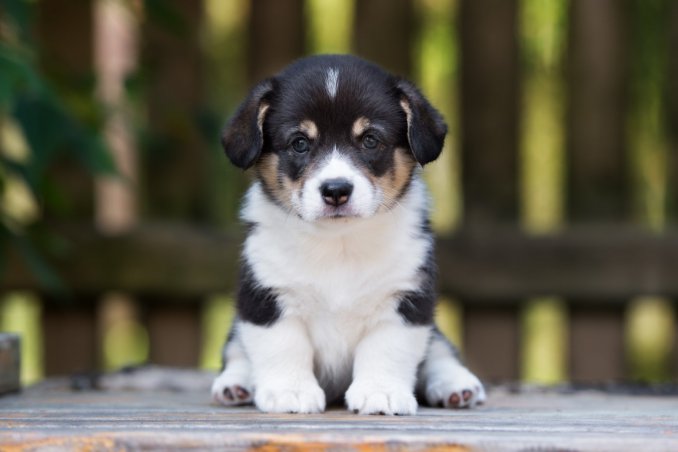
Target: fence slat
{"points": [[597, 343], [66, 53], [598, 186], [672, 189], [492, 341], [383, 33], [672, 90], [276, 36], [489, 112], [174, 333], [174, 164], [70, 340]]}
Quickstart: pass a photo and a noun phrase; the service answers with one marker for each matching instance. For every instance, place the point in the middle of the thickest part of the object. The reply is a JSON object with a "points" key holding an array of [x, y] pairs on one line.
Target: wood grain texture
{"points": [[490, 266], [57, 420]]}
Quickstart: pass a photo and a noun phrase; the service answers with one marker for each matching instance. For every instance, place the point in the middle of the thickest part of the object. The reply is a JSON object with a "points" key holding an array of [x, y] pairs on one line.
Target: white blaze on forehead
{"points": [[337, 166], [332, 82]]}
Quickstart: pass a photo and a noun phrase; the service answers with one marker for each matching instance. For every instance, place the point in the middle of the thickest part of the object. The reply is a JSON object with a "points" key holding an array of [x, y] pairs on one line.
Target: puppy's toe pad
{"points": [[457, 389], [368, 398], [231, 390], [310, 399]]}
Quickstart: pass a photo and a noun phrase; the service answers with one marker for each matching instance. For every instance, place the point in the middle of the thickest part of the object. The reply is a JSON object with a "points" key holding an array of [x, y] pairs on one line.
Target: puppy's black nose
{"points": [[336, 192]]}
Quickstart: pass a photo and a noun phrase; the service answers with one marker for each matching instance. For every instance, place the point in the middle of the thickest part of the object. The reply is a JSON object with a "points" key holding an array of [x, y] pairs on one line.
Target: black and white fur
{"points": [[336, 296]]}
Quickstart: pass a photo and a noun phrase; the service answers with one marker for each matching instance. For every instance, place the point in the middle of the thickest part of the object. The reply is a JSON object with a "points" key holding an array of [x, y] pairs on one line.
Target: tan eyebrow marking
{"points": [[309, 128], [360, 125]]}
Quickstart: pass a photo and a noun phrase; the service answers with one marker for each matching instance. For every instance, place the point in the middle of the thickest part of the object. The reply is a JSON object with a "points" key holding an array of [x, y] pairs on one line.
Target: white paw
{"points": [[372, 398], [456, 388], [231, 389], [306, 397]]}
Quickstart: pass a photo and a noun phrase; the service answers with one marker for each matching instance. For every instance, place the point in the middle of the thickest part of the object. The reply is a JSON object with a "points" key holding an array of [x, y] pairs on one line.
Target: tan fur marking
{"points": [[360, 125], [279, 185], [267, 171], [309, 128], [393, 182]]}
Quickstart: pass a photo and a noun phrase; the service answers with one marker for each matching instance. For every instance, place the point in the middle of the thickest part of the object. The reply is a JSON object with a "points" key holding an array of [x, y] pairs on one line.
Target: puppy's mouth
{"points": [[337, 213]]}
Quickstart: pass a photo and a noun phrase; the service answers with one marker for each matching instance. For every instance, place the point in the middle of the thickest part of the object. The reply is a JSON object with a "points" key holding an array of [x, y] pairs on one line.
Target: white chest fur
{"points": [[340, 278]]}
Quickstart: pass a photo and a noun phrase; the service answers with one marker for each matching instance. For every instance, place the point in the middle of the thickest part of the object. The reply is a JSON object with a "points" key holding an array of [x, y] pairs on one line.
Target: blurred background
{"points": [[554, 198]]}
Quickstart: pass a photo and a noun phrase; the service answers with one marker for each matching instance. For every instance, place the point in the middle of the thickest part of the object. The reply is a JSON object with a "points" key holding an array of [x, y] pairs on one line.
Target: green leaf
{"points": [[20, 14]]}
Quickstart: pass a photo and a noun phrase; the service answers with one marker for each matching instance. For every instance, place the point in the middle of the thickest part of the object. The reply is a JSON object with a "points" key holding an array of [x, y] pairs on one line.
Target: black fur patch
{"points": [[256, 304], [426, 129], [242, 139], [417, 307]]}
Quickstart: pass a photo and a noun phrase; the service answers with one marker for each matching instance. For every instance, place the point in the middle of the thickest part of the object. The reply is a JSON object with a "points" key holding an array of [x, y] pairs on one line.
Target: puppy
{"points": [[337, 285]]}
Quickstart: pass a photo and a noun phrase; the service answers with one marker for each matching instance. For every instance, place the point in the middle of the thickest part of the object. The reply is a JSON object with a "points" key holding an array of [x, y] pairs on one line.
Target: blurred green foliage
{"points": [[53, 128]]}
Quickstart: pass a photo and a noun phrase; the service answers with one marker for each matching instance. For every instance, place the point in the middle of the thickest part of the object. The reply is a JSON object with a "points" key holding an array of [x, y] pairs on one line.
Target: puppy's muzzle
{"points": [[336, 192]]}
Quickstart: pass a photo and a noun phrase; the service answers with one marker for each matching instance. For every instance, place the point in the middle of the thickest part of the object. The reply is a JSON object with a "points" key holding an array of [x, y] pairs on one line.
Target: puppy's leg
{"points": [[282, 367], [384, 370], [233, 386], [444, 380]]}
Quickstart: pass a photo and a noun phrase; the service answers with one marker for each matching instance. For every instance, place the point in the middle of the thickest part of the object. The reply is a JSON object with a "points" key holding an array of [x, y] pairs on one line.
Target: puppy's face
{"points": [[334, 137]]}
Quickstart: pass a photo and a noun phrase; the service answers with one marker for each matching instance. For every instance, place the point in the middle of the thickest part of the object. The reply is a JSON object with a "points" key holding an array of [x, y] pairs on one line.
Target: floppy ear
{"points": [[243, 137], [426, 127]]}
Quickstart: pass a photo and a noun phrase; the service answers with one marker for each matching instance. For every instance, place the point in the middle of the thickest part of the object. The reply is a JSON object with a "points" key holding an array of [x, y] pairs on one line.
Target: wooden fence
{"points": [[174, 252]]}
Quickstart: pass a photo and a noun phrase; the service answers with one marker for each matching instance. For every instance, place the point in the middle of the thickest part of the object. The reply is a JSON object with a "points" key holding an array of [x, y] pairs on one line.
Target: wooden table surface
{"points": [[55, 418]]}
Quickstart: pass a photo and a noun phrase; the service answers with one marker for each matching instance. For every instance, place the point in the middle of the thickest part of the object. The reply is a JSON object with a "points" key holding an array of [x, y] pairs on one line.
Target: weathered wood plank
{"points": [[497, 265], [49, 420]]}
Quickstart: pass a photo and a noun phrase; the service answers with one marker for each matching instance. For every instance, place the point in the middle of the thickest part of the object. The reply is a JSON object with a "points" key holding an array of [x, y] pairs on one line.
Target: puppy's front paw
{"points": [[455, 389], [367, 397], [230, 389], [306, 397]]}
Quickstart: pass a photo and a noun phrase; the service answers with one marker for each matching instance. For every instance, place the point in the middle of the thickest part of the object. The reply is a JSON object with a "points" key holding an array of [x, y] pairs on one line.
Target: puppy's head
{"points": [[334, 137]]}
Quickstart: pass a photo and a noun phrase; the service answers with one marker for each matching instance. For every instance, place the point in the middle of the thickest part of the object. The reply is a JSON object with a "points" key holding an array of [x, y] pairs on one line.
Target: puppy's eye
{"points": [[300, 145], [370, 141]]}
